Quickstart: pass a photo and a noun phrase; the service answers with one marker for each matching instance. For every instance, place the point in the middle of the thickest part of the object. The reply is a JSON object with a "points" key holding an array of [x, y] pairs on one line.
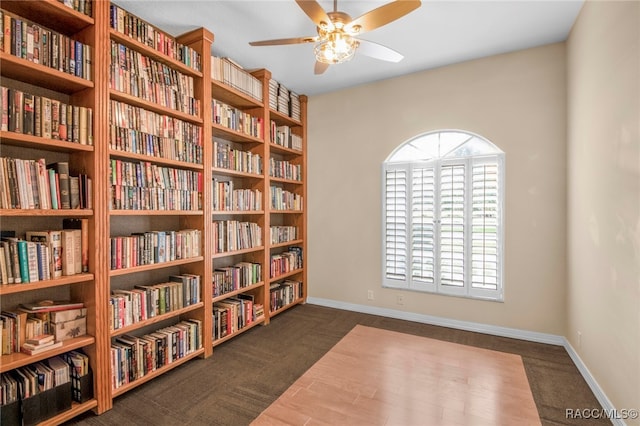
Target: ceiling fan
{"points": [[337, 31]]}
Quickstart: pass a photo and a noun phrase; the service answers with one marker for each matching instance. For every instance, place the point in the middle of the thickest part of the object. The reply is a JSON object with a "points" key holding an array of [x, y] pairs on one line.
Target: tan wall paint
{"points": [[603, 73], [517, 101]]}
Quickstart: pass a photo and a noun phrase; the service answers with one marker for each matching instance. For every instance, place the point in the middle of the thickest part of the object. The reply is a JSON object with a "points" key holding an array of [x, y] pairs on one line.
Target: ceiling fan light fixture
{"points": [[336, 49]]}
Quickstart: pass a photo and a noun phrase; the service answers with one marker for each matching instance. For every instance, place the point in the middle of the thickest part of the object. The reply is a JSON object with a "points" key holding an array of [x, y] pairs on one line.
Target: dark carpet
{"points": [[245, 375]]}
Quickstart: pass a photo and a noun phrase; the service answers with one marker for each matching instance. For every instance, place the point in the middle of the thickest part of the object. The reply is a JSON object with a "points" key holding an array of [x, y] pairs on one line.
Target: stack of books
{"points": [[39, 344]]}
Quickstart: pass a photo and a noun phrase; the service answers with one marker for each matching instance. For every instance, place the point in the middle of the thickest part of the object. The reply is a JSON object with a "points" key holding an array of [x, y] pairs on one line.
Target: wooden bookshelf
{"points": [[22, 74], [94, 287]]}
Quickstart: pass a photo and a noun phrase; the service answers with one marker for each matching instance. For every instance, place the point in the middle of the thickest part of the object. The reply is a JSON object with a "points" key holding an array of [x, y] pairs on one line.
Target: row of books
{"points": [[283, 234], [283, 136], [233, 314], [235, 119], [283, 100], [35, 43], [130, 25], [231, 278], [32, 184], [154, 247], [227, 157], [226, 198], [290, 260], [135, 198], [82, 6], [231, 73], [133, 357], [45, 255], [232, 235], [281, 199], [285, 170], [146, 186], [127, 307], [32, 379], [284, 293], [140, 131], [135, 74], [44, 117]]}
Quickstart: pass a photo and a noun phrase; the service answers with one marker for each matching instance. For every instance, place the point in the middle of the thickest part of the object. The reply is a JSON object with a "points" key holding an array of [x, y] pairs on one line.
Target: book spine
{"points": [[23, 261]]}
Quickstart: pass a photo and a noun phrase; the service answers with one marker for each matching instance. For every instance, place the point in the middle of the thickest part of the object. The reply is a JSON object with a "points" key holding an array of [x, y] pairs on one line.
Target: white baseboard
{"points": [[593, 384], [513, 333], [495, 330]]}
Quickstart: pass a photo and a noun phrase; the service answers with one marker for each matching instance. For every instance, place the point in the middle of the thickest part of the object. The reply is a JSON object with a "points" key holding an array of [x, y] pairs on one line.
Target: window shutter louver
{"points": [[452, 215], [423, 225], [485, 226], [396, 224]]}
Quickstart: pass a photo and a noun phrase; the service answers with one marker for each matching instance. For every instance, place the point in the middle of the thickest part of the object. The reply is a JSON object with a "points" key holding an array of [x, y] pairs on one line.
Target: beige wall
{"points": [[603, 74], [515, 100]]}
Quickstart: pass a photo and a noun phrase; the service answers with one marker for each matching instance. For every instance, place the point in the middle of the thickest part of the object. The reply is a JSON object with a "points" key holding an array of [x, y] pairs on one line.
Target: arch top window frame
{"points": [[443, 215]]}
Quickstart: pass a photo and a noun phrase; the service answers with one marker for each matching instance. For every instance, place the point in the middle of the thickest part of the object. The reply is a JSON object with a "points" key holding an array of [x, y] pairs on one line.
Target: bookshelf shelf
{"points": [[46, 213], [287, 211], [227, 172], [233, 135], [15, 360], [155, 212], [50, 13], [151, 106], [76, 409], [284, 150], [39, 285], [237, 252], [156, 319], [37, 142], [229, 95], [282, 119], [221, 340], [238, 291], [114, 153], [237, 212], [39, 75], [143, 268], [286, 243], [285, 181], [286, 275], [153, 53], [144, 379], [284, 308]]}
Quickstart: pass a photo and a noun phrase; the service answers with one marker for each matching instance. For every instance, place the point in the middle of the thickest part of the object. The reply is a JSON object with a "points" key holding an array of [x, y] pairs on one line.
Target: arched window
{"points": [[443, 215]]}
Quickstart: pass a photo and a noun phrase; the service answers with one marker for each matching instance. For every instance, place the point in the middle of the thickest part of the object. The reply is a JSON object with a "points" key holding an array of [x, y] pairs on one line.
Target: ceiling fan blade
{"points": [[320, 67], [280, 41], [378, 51], [381, 16], [317, 14]]}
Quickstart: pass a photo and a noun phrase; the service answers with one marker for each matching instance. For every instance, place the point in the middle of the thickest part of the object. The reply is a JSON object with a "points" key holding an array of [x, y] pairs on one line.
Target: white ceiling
{"points": [[436, 34]]}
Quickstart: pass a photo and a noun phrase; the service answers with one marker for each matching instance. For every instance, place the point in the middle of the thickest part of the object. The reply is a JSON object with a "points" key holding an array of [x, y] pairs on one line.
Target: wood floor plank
{"points": [[381, 377]]}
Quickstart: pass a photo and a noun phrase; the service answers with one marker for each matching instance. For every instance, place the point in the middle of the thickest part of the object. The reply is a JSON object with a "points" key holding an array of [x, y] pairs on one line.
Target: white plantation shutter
{"points": [[443, 216], [452, 225], [395, 228], [485, 225], [423, 228]]}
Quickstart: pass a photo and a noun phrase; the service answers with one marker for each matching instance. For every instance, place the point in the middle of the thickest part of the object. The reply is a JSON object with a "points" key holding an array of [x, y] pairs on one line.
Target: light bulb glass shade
{"points": [[336, 49]]}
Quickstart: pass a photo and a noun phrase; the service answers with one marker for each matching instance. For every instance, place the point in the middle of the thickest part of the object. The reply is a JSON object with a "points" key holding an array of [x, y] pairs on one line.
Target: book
{"points": [[41, 349], [53, 240], [40, 339], [62, 170], [50, 306], [83, 226], [7, 261], [23, 260], [32, 261], [3, 267], [68, 252], [74, 191]]}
